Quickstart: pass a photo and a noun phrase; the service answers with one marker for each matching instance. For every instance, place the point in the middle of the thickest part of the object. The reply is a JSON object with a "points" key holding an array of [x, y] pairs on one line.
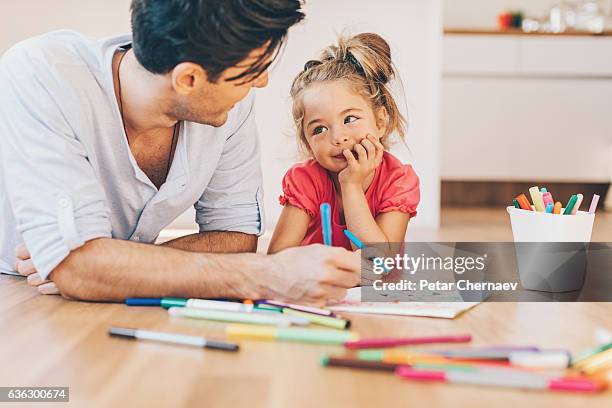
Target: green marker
{"points": [[167, 303], [328, 321], [272, 319], [570, 204], [516, 204]]}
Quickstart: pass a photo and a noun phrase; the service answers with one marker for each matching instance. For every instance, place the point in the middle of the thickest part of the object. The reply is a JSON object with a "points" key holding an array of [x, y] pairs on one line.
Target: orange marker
{"points": [[557, 208], [524, 202]]}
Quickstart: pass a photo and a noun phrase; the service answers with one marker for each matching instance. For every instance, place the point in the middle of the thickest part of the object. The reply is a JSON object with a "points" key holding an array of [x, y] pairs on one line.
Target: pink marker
{"points": [[510, 378], [399, 341], [548, 198], [579, 199], [594, 202]]}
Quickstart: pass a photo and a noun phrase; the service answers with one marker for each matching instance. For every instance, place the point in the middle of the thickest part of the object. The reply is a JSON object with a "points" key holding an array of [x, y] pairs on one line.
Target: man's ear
{"points": [[382, 120], [187, 77]]}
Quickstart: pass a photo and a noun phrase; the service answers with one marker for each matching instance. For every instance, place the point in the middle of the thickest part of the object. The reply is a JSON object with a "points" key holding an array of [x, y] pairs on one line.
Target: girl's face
{"points": [[337, 118]]}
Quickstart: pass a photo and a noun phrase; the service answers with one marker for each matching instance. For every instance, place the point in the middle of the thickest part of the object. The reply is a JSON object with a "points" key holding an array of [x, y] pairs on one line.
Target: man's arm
{"points": [[215, 241], [108, 269]]}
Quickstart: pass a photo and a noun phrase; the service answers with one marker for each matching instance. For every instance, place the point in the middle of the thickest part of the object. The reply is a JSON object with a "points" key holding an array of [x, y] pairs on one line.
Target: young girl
{"points": [[344, 114]]}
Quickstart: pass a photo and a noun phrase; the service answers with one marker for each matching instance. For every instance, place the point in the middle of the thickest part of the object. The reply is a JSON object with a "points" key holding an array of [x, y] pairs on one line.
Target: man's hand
{"points": [[313, 274], [26, 268]]}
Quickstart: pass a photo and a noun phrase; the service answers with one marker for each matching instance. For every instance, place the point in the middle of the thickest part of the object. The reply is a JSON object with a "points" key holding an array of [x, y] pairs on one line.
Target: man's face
{"points": [[209, 103]]}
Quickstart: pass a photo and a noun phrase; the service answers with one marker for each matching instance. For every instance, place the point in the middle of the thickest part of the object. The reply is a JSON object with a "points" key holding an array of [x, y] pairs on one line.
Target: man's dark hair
{"points": [[215, 34]]}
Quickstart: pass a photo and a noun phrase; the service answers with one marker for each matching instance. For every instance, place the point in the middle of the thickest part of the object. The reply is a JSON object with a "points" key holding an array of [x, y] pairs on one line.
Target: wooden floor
{"points": [[50, 341]]}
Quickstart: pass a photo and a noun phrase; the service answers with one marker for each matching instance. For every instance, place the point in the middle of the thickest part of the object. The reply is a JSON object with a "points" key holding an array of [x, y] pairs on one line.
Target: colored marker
{"points": [[326, 223], [219, 305], [173, 338], [318, 336], [510, 379], [583, 357], [301, 308], [536, 197], [543, 190], [516, 203], [598, 362], [327, 321], [547, 198], [225, 316], [523, 202], [399, 341], [353, 239], [570, 205], [167, 303], [579, 198], [549, 208], [593, 205], [143, 301], [549, 360], [557, 208], [329, 361]]}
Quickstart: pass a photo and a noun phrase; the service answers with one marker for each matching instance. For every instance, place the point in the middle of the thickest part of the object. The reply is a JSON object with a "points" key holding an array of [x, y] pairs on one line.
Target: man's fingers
{"points": [[36, 280], [25, 268], [48, 288], [342, 279], [347, 260], [21, 252]]}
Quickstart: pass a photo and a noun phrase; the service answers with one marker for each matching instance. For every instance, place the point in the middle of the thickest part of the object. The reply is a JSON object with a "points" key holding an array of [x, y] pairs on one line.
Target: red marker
{"points": [[524, 202], [399, 341]]}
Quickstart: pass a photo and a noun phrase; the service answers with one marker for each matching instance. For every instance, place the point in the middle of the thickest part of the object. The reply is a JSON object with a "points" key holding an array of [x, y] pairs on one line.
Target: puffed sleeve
{"points": [[302, 188], [401, 191]]}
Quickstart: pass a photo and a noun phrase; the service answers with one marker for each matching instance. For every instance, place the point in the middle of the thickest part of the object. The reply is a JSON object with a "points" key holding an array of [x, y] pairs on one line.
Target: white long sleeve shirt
{"points": [[66, 171]]}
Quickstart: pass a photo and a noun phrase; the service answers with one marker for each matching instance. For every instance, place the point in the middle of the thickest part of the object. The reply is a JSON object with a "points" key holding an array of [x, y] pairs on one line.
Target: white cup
{"points": [[551, 249]]}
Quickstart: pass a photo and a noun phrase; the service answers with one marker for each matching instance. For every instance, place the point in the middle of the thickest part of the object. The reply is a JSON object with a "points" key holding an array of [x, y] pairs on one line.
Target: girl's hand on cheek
{"points": [[369, 156]]}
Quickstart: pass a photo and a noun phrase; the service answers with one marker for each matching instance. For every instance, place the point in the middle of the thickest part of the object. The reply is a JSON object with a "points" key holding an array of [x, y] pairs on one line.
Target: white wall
{"points": [[483, 13], [412, 27]]}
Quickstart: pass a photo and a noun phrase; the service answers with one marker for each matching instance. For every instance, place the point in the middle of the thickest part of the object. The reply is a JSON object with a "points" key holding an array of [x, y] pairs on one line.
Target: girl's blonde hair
{"points": [[364, 63]]}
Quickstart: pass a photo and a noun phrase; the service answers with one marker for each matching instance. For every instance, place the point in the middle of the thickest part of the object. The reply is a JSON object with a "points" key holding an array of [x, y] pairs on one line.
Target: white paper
{"points": [[447, 310]]}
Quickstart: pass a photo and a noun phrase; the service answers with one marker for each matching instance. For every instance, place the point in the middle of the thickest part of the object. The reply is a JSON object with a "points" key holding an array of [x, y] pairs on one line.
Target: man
{"points": [[105, 142]]}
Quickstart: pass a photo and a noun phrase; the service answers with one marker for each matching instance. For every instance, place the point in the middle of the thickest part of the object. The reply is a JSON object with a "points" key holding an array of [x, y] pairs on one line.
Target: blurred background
{"points": [[500, 95]]}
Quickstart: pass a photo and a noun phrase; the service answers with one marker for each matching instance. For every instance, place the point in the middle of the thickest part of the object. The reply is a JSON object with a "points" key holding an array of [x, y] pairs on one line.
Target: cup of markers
{"points": [[551, 240]]}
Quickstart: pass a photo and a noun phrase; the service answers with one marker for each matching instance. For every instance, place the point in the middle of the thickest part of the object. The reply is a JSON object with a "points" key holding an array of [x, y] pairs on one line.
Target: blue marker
{"points": [[353, 239], [326, 223], [143, 301], [549, 208], [543, 190], [360, 245]]}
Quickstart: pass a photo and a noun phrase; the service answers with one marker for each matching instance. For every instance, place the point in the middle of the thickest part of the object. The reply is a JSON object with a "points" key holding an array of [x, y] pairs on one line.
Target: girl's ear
{"points": [[382, 121]]}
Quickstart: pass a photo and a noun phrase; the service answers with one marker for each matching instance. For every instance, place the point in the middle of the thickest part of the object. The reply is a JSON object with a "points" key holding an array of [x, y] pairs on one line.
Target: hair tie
{"points": [[353, 61], [311, 63]]}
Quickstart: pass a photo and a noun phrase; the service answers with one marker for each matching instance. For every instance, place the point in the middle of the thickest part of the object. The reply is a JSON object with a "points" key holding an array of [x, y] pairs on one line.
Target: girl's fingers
{"points": [[21, 252], [25, 268], [369, 146], [361, 153], [380, 149], [348, 155]]}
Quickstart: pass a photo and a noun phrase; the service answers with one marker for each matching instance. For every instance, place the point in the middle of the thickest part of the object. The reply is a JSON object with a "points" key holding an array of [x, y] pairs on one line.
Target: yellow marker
{"points": [[320, 336], [536, 197]]}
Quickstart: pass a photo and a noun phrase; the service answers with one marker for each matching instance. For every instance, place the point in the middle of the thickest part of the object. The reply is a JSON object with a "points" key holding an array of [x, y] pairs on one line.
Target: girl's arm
{"points": [[389, 227], [290, 229]]}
